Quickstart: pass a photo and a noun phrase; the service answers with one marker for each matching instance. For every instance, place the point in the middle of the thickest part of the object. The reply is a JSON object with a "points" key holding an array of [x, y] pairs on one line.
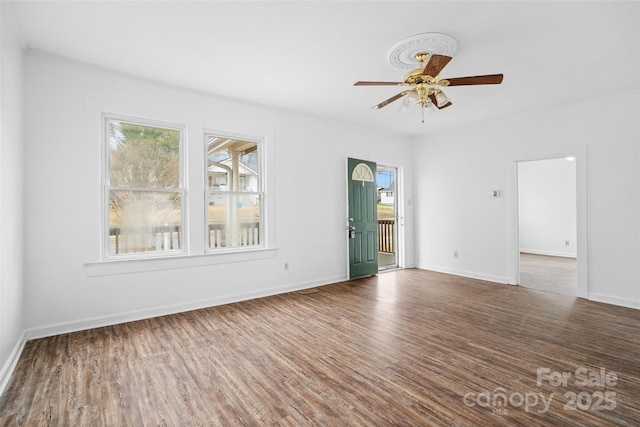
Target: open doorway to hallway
{"points": [[388, 217], [547, 225]]}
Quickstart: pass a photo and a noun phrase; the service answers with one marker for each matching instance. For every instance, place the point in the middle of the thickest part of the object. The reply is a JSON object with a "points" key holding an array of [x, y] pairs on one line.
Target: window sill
{"points": [[139, 265]]}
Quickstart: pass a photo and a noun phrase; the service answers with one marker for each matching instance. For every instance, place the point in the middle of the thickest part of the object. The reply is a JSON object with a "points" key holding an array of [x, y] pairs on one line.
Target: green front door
{"points": [[363, 223]]}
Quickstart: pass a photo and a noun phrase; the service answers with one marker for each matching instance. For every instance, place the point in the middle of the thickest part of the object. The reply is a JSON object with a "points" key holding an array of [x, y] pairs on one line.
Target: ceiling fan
{"points": [[424, 82]]}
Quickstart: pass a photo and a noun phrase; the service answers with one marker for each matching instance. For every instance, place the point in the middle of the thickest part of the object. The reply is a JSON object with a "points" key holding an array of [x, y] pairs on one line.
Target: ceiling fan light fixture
{"points": [[404, 107], [441, 99], [411, 98]]}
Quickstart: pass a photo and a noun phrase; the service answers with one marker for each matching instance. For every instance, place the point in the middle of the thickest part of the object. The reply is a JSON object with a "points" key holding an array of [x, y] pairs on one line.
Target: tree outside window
{"points": [[144, 188]]}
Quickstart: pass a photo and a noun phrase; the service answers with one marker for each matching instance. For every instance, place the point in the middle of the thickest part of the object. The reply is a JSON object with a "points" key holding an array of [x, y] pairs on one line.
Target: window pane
{"points": [[234, 220], [232, 164], [143, 156], [144, 221]]}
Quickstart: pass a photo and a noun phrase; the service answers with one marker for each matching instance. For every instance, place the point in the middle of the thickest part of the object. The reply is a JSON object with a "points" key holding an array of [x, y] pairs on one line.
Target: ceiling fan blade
{"points": [[390, 100], [435, 65], [490, 79], [378, 83], [433, 99]]}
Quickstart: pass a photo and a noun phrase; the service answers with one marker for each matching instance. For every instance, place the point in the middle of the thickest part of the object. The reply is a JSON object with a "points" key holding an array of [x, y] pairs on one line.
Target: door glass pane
{"points": [[144, 221]]}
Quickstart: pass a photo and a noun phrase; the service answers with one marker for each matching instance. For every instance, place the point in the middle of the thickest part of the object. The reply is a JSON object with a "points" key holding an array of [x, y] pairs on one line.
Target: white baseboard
{"points": [[114, 319], [549, 253], [464, 273], [12, 362], [608, 299]]}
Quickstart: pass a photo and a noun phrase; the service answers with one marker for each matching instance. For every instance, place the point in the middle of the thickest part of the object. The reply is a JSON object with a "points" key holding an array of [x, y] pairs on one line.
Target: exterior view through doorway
{"points": [[388, 216]]}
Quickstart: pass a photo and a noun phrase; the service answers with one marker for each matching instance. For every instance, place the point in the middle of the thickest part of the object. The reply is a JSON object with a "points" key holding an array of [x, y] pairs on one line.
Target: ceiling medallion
{"points": [[402, 54]]}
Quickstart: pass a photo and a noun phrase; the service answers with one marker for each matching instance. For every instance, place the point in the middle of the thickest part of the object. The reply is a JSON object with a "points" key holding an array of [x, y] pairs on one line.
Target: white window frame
{"points": [[106, 187], [262, 191]]}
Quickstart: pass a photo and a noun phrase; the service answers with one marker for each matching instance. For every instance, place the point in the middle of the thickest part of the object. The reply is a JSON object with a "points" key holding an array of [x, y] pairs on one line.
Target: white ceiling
{"points": [[306, 55]]}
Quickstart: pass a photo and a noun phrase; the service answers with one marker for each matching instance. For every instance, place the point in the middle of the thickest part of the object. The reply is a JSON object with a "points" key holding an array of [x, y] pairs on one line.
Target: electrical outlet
{"points": [[455, 254], [286, 266], [566, 243]]}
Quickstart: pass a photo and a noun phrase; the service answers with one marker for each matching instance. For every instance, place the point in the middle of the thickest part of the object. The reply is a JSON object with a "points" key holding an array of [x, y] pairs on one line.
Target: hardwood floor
{"points": [[549, 273], [407, 347]]}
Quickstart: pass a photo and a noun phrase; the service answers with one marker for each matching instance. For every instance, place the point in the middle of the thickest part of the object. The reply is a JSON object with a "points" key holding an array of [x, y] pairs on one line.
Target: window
{"points": [[234, 193], [144, 191]]}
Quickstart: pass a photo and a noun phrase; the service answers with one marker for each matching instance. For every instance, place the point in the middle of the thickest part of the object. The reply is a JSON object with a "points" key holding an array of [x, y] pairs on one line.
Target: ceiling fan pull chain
{"points": [[422, 113]]}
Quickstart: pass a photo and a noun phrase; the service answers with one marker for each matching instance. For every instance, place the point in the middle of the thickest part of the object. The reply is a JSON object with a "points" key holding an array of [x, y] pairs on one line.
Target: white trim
{"points": [[169, 262], [346, 213], [548, 253], [130, 316], [12, 362], [400, 217], [608, 299], [470, 274]]}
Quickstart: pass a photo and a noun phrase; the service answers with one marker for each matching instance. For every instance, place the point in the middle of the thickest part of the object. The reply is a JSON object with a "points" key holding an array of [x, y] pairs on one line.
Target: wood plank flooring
{"points": [[406, 347], [549, 273]]}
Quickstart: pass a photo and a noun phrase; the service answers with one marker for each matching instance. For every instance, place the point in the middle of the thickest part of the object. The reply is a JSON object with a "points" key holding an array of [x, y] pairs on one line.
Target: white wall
{"points": [[67, 288], [454, 169], [11, 189], [547, 207]]}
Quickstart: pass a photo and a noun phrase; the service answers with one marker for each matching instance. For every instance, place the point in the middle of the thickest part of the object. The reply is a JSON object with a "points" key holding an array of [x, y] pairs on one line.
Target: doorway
{"points": [[580, 153], [362, 224], [547, 225], [388, 217]]}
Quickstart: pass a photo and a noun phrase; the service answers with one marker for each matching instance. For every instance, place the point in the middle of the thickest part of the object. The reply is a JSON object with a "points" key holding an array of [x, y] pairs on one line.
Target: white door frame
{"points": [[513, 239], [400, 249]]}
